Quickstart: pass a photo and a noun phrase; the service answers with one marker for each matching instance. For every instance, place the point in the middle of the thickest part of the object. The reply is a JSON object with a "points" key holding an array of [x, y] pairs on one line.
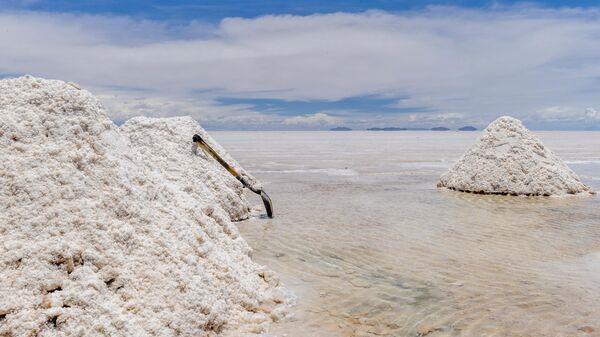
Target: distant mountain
{"points": [[440, 128], [468, 128], [387, 129], [340, 128]]}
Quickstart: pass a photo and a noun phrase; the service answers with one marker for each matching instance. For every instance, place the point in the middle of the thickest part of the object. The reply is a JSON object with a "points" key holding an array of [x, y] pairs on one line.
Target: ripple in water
{"points": [[382, 252]]}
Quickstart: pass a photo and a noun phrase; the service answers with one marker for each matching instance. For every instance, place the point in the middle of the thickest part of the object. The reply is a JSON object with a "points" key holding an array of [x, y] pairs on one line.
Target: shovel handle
{"points": [[200, 142], [265, 198]]}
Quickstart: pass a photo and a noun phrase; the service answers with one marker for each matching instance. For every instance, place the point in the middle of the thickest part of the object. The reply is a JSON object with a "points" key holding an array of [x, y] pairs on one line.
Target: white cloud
{"points": [[592, 113], [478, 63], [318, 119], [567, 114], [435, 117], [560, 113]]}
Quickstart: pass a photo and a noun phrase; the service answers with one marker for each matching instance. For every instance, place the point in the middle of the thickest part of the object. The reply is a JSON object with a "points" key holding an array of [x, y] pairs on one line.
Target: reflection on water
{"points": [[380, 251]]}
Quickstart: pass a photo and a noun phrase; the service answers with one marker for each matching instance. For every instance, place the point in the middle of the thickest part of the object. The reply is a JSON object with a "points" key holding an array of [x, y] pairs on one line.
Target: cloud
{"points": [[478, 64], [318, 119], [592, 113], [567, 114], [560, 113], [441, 118]]}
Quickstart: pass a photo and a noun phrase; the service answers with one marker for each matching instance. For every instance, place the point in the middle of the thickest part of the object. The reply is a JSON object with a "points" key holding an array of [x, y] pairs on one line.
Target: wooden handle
{"points": [[200, 142], [265, 198]]}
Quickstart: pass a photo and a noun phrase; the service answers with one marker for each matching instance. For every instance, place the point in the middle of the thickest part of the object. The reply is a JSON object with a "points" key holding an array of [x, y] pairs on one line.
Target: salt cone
{"points": [[509, 159]]}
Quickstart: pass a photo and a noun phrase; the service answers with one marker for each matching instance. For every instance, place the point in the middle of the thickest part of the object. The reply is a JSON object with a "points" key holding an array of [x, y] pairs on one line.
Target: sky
{"points": [[314, 65]]}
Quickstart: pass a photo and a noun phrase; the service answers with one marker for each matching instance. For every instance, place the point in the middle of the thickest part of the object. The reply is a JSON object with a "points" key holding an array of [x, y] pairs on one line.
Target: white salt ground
{"points": [[509, 159], [117, 232]]}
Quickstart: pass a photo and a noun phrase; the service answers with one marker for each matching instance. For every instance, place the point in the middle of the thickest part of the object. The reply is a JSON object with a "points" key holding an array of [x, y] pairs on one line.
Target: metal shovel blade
{"points": [[268, 203]]}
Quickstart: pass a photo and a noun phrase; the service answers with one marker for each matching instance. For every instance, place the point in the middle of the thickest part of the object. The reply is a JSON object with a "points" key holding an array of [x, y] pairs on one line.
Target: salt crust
{"points": [[509, 159], [108, 231], [165, 145]]}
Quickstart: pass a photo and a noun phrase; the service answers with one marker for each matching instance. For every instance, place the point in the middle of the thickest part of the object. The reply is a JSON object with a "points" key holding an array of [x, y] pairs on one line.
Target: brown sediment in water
{"points": [[497, 193]]}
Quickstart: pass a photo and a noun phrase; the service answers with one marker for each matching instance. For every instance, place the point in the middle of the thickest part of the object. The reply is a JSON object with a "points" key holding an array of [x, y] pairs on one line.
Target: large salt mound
{"points": [[96, 241], [165, 144], [509, 159]]}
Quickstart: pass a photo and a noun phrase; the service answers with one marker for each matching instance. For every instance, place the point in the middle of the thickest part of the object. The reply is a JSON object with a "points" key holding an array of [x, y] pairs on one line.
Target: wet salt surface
{"points": [[382, 252]]}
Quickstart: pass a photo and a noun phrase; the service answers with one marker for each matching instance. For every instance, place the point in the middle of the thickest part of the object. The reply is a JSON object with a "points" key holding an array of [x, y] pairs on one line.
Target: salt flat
{"points": [[370, 246]]}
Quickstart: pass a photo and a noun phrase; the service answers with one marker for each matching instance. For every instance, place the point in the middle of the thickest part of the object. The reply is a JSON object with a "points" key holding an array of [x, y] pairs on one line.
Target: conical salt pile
{"points": [[100, 238], [509, 159]]}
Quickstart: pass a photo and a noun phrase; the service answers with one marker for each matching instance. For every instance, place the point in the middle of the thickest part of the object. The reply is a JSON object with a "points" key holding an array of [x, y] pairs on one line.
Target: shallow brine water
{"points": [[370, 247]]}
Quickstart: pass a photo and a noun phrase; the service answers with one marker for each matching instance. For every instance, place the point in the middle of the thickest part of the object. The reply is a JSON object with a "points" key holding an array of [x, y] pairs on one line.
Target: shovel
{"points": [[197, 139]]}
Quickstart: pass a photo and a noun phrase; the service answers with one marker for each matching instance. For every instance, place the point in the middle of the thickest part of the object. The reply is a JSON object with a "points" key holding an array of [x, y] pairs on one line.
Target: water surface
{"points": [[370, 247]]}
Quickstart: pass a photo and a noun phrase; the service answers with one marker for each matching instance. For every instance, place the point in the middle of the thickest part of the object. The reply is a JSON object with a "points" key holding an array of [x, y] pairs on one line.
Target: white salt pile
{"points": [[509, 159], [110, 232], [165, 145]]}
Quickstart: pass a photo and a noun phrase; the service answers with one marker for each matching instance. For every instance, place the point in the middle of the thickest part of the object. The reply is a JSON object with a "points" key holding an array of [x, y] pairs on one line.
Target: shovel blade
{"points": [[268, 203]]}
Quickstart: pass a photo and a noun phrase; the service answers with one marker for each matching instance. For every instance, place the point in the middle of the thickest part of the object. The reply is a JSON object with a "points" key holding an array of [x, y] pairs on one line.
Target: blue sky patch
{"points": [[361, 104], [215, 10], [9, 75]]}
